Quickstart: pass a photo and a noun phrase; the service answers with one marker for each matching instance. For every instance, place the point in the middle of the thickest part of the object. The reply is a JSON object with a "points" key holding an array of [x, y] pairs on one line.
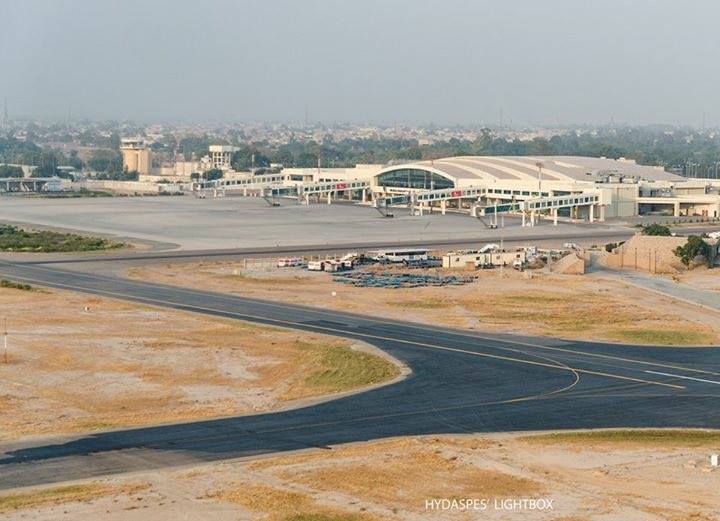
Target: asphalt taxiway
{"points": [[461, 382]]}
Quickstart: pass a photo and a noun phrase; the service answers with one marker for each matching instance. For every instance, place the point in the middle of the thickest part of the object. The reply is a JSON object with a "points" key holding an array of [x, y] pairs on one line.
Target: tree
{"points": [[46, 170], [121, 175], [105, 161], [10, 171], [694, 247], [656, 230], [307, 160], [243, 158], [213, 174]]}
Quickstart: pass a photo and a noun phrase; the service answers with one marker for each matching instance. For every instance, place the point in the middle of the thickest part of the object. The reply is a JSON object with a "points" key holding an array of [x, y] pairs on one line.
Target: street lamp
{"points": [[539, 166]]}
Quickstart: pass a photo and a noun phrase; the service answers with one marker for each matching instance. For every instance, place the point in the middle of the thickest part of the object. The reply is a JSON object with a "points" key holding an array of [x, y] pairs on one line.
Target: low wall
{"points": [[648, 253], [129, 187]]}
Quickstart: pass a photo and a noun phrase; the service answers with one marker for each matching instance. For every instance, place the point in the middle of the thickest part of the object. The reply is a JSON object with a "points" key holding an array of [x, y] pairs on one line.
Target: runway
{"points": [[461, 382]]}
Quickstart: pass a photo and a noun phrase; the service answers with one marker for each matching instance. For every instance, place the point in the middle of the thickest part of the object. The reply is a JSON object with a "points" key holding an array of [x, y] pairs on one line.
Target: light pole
{"points": [[539, 166]]}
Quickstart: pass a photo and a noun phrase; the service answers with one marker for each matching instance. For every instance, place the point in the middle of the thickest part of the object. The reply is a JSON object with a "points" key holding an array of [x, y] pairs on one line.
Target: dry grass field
{"points": [[537, 303], [629, 475], [81, 363]]}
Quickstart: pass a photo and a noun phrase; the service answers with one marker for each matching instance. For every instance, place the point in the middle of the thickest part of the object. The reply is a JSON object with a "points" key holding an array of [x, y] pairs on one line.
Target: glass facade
{"points": [[414, 178]]}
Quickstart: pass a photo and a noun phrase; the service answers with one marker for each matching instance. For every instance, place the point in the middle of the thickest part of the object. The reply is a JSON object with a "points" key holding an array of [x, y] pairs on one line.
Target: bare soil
{"points": [[80, 363], [601, 476], [532, 302]]}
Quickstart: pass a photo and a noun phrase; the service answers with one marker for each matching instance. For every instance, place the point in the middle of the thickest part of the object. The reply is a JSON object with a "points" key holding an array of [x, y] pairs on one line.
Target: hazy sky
{"points": [[381, 61]]}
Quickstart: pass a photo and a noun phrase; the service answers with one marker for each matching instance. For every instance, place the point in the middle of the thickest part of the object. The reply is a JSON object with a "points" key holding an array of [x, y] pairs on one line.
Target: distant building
{"points": [[221, 156], [136, 155]]}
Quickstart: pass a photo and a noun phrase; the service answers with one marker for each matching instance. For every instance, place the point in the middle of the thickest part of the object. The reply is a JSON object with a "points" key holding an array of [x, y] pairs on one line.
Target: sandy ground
{"points": [[80, 363], [701, 278], [532, 302], [398, 479]]}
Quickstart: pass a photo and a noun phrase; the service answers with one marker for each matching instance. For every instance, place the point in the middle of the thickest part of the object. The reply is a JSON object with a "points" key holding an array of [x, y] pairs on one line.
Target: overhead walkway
{"points": [[330, 188], [543, 204], [257, 181], [26, 184]]}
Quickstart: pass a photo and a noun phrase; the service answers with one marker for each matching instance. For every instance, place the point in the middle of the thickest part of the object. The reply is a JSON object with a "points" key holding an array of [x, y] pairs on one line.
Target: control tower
{"points": [[136, 155]]}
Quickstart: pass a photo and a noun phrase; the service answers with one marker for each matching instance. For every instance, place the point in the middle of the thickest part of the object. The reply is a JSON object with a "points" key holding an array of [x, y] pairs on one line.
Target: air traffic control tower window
{"points": [[414, 178]]}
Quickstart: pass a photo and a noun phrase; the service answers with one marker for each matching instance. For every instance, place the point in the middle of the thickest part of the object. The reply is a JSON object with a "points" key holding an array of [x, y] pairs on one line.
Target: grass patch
{"points": [[588, 316], [665, 337], [16, 239], [281, 504], [674, 437], [340, 368], [325, 517], [4, 283], [83, 192], [60, 495], [419, 304]]}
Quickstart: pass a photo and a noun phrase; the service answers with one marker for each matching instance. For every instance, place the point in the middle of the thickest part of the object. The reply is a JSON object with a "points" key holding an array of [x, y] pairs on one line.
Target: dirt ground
{"points": [[507, 301], [643, 478], [79, 363], [701, 277]]}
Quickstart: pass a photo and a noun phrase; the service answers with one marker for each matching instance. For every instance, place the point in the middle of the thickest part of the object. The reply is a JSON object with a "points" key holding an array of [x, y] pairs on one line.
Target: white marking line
{"points": [[300, 325], [685, 377]]}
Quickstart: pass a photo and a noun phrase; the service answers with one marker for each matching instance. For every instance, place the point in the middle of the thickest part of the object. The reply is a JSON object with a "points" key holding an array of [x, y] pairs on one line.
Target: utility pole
{"points": [[5, 346]]}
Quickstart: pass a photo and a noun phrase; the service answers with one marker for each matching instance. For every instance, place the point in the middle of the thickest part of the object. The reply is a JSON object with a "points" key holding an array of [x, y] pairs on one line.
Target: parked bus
{"points": [[404, 255]]}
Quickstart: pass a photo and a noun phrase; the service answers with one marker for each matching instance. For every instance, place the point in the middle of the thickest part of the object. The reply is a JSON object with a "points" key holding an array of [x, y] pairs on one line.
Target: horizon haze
{"points": [[407, 61]]}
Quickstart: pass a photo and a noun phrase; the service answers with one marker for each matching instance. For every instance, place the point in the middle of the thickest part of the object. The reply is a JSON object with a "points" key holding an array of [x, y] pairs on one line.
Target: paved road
{"points": [[700, 297], [461, 382]]}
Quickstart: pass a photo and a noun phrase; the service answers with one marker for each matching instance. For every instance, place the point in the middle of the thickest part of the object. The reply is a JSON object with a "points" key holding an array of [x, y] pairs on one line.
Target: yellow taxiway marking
{"points": [[190, 307], [379, 320]]}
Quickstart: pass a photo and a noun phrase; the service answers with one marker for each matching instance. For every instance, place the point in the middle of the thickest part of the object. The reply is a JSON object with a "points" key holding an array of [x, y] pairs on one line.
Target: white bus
{"points": [[404, 255]]}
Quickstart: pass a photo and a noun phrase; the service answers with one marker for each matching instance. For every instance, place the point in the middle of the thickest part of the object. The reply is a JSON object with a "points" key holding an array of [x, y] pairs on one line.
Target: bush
{"points": [[694, 247], [131, 175], [656, 229], [4, 283], [10, 171], [609, 247], [15, 239]]}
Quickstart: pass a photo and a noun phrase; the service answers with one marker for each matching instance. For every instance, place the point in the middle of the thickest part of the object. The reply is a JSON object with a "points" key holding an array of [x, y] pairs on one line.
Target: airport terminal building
{"points": [[578, 187]]}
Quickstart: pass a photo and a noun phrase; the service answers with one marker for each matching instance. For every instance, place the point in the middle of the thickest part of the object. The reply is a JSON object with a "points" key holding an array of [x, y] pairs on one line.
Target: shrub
{"points": [[656, 229], [609, 247], [4, 283], [694, 247], [16, 239]]}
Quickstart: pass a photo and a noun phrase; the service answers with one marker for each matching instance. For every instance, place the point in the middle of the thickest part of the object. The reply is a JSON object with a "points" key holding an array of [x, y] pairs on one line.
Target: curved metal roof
{"points": [[524, 168]]}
